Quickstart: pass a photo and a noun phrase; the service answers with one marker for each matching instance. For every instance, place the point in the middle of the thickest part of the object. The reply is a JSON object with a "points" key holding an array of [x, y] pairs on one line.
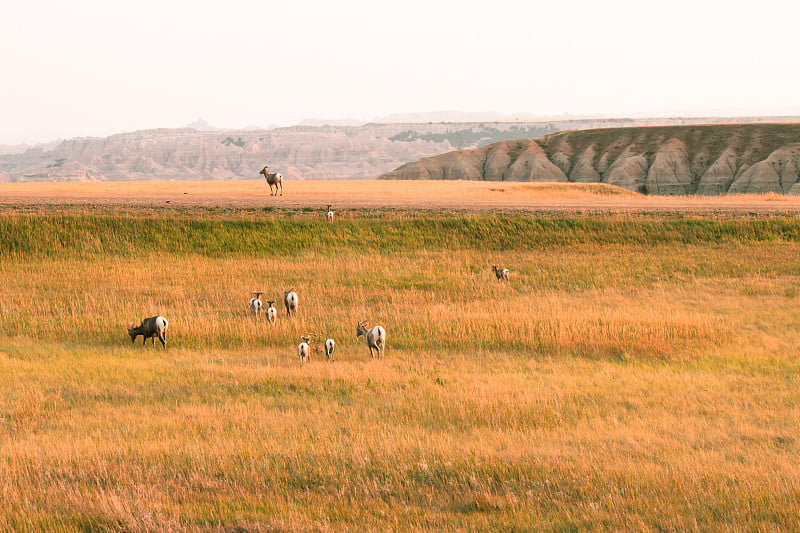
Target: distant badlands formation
{"points": [[677, 160], [652, 156]]}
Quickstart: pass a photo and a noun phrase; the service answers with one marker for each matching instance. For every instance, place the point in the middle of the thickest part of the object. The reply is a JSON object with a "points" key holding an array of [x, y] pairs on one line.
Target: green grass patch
{"points": [[88, 235]]}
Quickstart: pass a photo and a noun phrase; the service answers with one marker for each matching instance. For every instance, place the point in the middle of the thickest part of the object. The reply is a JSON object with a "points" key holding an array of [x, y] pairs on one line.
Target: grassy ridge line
{"points": [[88, 235]]}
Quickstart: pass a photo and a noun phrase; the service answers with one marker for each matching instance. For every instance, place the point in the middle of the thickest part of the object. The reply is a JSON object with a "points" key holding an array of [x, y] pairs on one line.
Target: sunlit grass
{"points": [[635, 374]]}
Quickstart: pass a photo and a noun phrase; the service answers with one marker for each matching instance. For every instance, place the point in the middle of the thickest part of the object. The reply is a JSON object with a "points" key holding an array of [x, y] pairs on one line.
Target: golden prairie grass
{"points": [[627, 386]]}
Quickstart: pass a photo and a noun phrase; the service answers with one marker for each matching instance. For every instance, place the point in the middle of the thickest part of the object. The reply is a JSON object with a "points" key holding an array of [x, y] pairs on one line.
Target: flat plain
{"points": [[638, 372]]}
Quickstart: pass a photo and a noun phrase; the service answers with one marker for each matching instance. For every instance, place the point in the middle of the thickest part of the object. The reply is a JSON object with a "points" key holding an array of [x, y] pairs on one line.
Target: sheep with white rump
{"points": [[255, 303], [304, 349], [291, 301], [272, 312], [150, 328], [501, 273], [375, 337], [330, 346]]}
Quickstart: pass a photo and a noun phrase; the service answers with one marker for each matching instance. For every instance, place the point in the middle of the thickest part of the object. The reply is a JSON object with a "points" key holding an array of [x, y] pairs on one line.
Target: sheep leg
{"points": [[163, 339]]}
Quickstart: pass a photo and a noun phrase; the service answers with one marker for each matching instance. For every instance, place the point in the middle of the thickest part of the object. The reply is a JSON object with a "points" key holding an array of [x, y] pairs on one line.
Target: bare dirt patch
{"points": [[446, 196]]}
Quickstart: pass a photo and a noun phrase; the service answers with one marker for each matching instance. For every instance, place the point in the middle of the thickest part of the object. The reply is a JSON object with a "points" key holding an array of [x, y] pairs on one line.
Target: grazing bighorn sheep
{"points": [[501, 273], [329, 214], [304, 350], [255, 303], [152, 327], [275, 179], [375, 337], [330, 346], [272, 313], [290, 300]]}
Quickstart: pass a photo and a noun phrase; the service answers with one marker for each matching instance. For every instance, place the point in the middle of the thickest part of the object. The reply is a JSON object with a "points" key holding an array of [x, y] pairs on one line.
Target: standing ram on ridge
{"points": [[275, 179]]}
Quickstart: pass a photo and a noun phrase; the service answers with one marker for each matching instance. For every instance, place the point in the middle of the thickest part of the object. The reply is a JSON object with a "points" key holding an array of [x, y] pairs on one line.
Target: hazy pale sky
{"points": [[93, 68]]}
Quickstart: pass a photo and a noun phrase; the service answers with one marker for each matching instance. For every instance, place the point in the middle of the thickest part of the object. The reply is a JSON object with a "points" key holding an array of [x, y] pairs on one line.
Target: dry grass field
{"points": [[639, 372], [441, 196]]}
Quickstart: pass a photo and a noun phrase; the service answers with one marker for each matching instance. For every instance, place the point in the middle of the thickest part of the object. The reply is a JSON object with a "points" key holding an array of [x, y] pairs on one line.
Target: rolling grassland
{"points": [[638, 372]]}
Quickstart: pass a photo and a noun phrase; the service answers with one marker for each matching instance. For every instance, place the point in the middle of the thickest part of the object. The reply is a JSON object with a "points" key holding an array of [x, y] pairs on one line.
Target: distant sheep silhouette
{"points": [[501, 273], [275, 179]]}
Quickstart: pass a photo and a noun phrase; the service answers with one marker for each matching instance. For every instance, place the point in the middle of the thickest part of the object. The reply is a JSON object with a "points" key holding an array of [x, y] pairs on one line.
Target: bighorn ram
{"points": [[501, 273], [375, 337], [275, 179], [272, 313], [304, 350], [290, 300], [329, 214], [152, 327], [330, 346], [255, 303]]}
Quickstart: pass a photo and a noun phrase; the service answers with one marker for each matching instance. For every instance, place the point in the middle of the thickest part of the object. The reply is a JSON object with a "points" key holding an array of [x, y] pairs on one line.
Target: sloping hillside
{"points": [[674, 160], [298, 152]]}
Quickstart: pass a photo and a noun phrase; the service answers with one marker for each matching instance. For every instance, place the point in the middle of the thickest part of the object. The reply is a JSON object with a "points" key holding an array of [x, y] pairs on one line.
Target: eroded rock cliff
{"points": [[673, 160]]}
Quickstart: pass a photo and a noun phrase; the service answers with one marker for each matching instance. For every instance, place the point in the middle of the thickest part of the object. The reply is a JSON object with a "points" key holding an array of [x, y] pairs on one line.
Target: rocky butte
{"points": [[665, 160], [202, 152]]}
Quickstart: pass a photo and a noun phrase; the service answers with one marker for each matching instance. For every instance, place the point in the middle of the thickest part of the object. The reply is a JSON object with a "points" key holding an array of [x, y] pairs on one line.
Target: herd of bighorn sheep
{"points": [[156, 326], [375, 337]]}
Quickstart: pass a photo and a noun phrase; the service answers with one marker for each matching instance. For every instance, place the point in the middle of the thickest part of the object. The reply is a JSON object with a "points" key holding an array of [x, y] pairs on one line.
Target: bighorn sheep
{"points": [[329, 214], [272, 313], [290, 300], [152, 327], [304, 350], [501, 273], [275, 179], [255, 303], [330, 346], [375, 337]]}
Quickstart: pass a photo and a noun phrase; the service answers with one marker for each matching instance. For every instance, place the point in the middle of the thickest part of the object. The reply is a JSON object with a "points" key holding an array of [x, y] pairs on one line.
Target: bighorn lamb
{"points": [[330, 346], [255, 303], [375, 337], [304, 350], [152, 327], [272, 313]]}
